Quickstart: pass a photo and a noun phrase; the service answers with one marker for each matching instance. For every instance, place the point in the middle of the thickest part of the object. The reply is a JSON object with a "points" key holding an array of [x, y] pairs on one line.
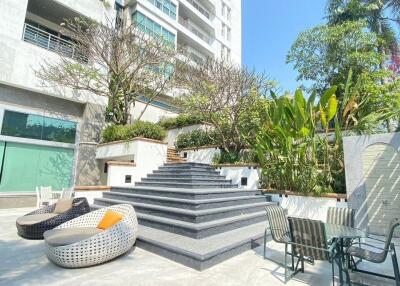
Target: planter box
{"points": [[203, 155], [246, 176], [129, 161]]}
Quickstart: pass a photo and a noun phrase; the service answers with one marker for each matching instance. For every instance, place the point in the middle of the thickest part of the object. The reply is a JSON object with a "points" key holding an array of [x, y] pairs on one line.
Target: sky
{"points": [[269, 29]]}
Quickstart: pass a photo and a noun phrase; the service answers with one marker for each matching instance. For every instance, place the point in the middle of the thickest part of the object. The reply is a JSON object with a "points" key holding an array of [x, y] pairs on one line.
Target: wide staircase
{"points": [[173, 156], [191, 214]]}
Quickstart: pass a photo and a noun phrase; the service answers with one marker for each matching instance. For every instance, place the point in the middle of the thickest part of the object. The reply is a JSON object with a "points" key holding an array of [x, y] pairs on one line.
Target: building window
{"points": [[228, 14], [200, 8], [185, 154], [243, 181], [166, 6], [32, 126], [105, 170], [152, 28], [228, 34]]}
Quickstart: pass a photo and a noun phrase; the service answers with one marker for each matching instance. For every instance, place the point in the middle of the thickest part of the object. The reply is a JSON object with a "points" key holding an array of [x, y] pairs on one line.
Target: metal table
{"points": [[342, 234]]}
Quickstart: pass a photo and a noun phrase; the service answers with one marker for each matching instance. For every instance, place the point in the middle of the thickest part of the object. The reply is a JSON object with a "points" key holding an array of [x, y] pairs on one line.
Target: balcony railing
{"points": [[52, 43], [200, 9], [202, 35]]}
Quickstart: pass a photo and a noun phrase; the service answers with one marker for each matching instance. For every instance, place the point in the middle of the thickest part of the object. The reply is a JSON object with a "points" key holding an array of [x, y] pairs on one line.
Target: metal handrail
{"points": [[52, 43]]}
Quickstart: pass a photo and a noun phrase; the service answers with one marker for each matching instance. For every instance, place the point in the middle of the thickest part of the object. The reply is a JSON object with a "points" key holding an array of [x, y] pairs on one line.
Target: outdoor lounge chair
{"points": [[278, 226], [309, 240], [34, 224], [341, 216], [377, 256], [79, 243]]}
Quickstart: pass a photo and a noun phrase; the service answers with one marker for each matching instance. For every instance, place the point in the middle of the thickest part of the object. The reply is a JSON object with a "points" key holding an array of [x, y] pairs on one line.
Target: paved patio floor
{"points": [[24, 262]]}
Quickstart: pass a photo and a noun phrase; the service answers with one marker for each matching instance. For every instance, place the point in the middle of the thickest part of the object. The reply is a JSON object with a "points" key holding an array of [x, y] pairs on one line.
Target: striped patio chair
{"points": [[309, 240], [375, 254], [278, 226], [341, 216]]}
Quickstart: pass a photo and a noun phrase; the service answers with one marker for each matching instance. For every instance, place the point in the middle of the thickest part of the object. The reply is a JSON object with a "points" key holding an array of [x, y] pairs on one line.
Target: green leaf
{"points": [[323, 116], [327, 94], [332, 107]]}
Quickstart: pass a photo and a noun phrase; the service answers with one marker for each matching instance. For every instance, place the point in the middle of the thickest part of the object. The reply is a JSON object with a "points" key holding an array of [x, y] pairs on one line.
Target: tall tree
{"points": [[119, 62], [380, 16]]}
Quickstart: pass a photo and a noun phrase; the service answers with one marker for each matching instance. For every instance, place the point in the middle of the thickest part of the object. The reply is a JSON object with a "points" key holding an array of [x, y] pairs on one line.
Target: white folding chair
{"points": [[67, 193], [44, 195]]}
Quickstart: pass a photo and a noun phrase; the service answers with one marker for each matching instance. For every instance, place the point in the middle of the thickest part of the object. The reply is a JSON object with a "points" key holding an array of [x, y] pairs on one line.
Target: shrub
{"points": [[245, 156], [137, 129], [196, 138], [182, 120]]}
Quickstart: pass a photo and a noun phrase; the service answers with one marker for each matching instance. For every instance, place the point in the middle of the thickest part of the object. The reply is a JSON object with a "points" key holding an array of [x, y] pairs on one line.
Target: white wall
{"points": [[152, 113], [202, 155], [147, 156], [236, 173], [308, 207], [174, 133]]}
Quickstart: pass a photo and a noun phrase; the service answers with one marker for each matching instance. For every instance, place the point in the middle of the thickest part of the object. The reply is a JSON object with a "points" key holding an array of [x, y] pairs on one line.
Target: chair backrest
{"points": [[45, 193], [278, 223], [341, 216], [392, 226], [67, 193], [310, 238]]}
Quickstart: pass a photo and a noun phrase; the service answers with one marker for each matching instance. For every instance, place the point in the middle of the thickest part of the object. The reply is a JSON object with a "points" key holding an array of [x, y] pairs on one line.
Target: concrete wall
{"points": [[372, 173], [152, 113], [147, 156], [308, 207], [237, 173], [201, 155]]}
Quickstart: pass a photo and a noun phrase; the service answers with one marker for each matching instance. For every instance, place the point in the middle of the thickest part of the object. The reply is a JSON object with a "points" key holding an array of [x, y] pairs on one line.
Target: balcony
{"points": [[52, 43], [195, 30]]}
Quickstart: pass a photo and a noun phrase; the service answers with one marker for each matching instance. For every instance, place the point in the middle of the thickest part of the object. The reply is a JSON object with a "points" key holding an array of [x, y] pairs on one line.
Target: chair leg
{"points": [[395, 264], [286, 270], [333, 270], [265, 242]]}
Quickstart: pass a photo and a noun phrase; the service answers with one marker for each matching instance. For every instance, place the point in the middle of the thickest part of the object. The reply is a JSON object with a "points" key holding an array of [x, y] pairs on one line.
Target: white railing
{"points": [[199, 8], [195, 30], [52, 43]]}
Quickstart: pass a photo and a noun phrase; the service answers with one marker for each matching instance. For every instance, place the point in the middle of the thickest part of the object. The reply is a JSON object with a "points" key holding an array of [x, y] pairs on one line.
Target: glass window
{"points": [[166, 6], [32, 126], [154, 29]]}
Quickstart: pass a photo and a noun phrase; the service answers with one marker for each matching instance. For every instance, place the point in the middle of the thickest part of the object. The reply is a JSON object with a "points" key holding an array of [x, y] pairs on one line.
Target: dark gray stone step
{"points": [[189, 204], [187, 180], [186, 167], [185, 176], [200, 230], [200, 254], [186, 172], [191, 194], [186, 185], [187, 164], [192, 216]]}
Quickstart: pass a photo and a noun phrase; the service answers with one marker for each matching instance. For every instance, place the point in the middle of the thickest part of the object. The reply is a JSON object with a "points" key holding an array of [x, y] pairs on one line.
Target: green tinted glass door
{"points": [[26, 166]]}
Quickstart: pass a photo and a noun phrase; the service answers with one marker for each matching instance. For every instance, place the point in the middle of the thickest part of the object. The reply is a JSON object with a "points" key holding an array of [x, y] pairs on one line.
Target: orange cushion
{"points": [[109, 219]]}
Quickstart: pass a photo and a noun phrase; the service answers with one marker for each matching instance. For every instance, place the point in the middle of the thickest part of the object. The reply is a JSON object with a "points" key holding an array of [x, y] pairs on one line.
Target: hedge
{"points": [[137, 129], [196, 138], [182, 120]]}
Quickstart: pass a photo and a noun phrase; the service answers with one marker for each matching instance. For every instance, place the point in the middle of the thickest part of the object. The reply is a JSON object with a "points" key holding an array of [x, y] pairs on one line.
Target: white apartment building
{"points": [[201, 28], [48, 135]]}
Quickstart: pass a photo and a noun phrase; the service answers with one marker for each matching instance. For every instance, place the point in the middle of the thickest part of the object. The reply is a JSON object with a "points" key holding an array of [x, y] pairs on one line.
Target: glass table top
{"points": [[341, 231]]}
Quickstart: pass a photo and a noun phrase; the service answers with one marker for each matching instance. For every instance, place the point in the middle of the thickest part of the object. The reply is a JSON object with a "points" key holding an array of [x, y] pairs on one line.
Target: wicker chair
{"points": [[309, 240], [99, 247], [80, 206]]}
